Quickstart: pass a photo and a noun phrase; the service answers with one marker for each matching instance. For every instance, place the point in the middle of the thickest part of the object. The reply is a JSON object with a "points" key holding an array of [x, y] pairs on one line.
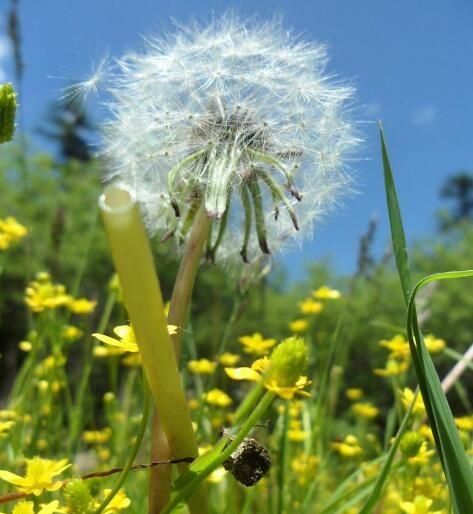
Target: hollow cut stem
{"points": [[134, 263]]}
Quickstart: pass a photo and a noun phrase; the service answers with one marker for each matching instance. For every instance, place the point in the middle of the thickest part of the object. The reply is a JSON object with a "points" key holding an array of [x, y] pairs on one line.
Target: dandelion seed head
{"points": [[239, 118]]}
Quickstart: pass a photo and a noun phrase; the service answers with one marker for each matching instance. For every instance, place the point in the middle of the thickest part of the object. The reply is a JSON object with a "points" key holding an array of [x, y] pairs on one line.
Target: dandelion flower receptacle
{"points": [[238, 119]]}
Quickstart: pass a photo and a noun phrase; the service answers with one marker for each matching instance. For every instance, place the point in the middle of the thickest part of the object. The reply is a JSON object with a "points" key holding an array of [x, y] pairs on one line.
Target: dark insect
{"points": [[249, 462]]}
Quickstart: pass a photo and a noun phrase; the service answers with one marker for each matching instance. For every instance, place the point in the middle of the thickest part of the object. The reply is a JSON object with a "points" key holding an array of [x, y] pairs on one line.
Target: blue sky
{"points": [[411, 62]]}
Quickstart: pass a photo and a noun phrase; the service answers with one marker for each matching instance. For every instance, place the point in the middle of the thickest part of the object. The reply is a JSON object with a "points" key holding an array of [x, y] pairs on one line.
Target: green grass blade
{"points": [[395, 220], [451, 452]]}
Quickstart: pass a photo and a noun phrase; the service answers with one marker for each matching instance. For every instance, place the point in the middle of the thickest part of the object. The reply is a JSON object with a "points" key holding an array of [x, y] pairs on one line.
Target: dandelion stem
{"points": [[142, 296], [160, 478]]}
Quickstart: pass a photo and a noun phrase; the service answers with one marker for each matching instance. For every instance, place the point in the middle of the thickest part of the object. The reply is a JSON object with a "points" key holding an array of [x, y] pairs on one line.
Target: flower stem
{"points": [[134, 452], [142, 296], [160, 477], [257, 413]]}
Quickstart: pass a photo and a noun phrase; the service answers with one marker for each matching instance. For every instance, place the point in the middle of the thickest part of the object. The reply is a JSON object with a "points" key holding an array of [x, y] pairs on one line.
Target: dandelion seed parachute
{"points": [[238, 118]]}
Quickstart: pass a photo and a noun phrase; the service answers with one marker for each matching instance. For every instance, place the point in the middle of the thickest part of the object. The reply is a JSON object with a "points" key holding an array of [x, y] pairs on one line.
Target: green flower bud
{"points": [[78, 497], [7, 112], [288, 362], [410, 444]]}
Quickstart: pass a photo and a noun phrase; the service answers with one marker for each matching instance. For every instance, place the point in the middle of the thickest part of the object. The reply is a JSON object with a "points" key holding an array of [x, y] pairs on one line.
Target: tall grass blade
{"points": [[454, 460]]}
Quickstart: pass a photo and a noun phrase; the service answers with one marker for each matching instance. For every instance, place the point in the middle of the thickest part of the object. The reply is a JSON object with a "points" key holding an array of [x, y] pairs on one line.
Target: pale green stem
{"points": [[160, 477], [283, 451], [256, 414], [142, 296]]}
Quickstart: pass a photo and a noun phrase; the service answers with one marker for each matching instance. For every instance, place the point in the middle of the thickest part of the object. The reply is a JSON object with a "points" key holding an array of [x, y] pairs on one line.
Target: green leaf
{"points": [[451, 452]]}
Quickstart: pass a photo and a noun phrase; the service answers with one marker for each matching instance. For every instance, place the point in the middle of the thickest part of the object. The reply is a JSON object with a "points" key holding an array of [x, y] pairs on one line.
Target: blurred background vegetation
{"points": [[54, 193]]}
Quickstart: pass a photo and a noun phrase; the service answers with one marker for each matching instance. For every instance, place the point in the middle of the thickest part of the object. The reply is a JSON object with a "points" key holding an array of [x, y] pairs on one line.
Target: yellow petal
{"points": [[260, 365], [108, 340], [243, 374], [11, 478], [122, 331], [49, 508]]}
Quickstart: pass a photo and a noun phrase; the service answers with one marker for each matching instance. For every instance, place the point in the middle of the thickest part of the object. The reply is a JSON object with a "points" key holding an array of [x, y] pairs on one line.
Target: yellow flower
{"points": [[97, 436], [398, 347], [393, 368], [304, 467], [127, 339], [10, 232], [407, 397], [119, 502], [365, 410], [295, 433], [217, 476], [281, 373], [71, 333], [201, 366], [354, 393], [27, 507], [228, 359], [420, 505], [309, 306], [39, 476], [81, 306], [25, 346], [41, 294], [256, 344], [465, 423], [298, 325], [433, 344], [422, 457], [349, 448], [218, 398], [5, 427], [325, 293]]}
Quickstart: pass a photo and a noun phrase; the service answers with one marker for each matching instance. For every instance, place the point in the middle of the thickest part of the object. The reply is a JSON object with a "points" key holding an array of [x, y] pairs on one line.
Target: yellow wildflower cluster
{"points": [[312, 305], [10, 232], [348, 448], [42, 294]]}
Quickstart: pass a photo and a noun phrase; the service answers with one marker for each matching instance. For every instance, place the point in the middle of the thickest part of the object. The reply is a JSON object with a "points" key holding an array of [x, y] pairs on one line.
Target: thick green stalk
{"points": [[160, 477], [142, 296]]}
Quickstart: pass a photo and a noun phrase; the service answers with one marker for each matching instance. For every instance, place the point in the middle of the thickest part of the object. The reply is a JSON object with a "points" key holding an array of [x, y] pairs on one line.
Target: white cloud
{"points": [[424, 116]]}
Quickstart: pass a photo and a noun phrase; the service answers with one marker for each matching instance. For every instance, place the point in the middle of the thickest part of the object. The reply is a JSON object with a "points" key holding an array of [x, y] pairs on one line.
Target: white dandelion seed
{"points": [[239, 119]]}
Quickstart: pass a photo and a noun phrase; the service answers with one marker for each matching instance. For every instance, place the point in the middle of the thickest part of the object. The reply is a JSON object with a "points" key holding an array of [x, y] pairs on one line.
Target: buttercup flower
{"points": [[239, 119], [27, 507], [218, 398], [349, 447], [127, 340], [256, 344], [282, 373], [201, 366], [298, 325], [420, 505], [39, 476], [325, 293], [229, 359], [10, 232]]}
